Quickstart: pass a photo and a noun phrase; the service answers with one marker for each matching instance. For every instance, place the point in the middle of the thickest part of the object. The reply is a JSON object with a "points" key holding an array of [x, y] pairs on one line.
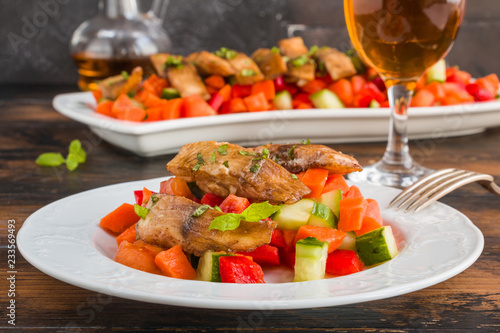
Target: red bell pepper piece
{"points": [[238, 269], [234, 204], [216, 101], [264, 255], [240, 91], [287, 258], [138, 195], [343, 262], [278, 239], [211, 199]]}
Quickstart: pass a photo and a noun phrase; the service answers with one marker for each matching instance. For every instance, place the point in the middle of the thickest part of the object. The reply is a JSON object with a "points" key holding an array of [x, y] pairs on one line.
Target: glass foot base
{"points": [[385, 174]]}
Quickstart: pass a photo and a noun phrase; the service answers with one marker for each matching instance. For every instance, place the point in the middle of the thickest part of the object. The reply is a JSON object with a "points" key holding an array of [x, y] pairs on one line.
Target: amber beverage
{"points": [[401, 39], [92, 69]]}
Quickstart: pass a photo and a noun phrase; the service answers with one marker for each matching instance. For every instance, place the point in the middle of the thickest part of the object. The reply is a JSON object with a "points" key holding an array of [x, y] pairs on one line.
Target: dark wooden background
{"points": [[41, 55]]}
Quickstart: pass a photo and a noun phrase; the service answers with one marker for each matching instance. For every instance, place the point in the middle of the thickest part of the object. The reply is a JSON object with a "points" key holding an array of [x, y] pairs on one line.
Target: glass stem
{"points": [[397, 152]]}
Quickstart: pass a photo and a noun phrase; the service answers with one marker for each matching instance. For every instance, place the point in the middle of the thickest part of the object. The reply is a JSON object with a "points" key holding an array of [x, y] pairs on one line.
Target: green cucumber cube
{"points": [[331, 199], [283, 100], [326, 99], [292, 217], [170, 93], [377, 246], [310, 259], [322, 216], [374, 104], [437, 72], [208, 266], [349, 241]]}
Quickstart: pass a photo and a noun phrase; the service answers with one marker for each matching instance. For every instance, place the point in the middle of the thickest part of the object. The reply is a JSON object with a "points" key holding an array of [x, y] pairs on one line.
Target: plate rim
{"points": [[212, 303]]}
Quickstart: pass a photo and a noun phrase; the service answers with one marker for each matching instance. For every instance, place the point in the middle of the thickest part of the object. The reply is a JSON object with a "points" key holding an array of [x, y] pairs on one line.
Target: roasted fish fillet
{"points": [[300, 157], [235, 171], [270, 63], [336, 63], [245, 69], [293, 47], [208, 63], [170, 222]]}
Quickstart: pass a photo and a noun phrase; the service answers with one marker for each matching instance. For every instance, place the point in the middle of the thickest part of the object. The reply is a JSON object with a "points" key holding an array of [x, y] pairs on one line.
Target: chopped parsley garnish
{"points": [[217, 208], [125, 75], [142, 212], [212, 158], [248, 72], [294, 176], [154, 199], [226, 164], [253, 213], [276, 158], [290, 152], [313, 50], [200, 210], [275, 50], [201, 161], [264, 155], [226, 53], [300, 61], [305, 142], [246, 153], [255, 168], [173, 61], [222, 149], [196, 167]]}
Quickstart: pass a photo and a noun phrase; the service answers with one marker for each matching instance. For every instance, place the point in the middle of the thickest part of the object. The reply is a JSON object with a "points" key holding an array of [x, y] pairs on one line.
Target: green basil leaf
{"points": [[141, 211], [200, 210], [50, 159], [225, 222], [258, 211]]}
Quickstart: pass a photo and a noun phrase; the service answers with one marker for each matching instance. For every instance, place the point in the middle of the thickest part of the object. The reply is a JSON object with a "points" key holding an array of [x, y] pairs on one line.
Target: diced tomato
{"points": [[343, 262], [300, 98], [357, 82], [239, 269], [315, 179], [489, 83], [240, 91], [304, 106], [479, 94], [453, 74], [278, 239], [216, 101], [373, 90], [291, 89], [234, 204], [211, 199], [265, 255], [266, 87], [256, 102], [195, 106], [289, 236], [176, 186], [352, 211], [379, 82], [333, 236], [335, 182]]}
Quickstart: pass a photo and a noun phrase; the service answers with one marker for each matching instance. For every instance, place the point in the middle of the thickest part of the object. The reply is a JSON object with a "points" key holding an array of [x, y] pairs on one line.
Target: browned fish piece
{"points": [[114, 86], [182, 77], [270, 63], [210, 64], [336, 63], [245, 175], [170, 222], [305, 72], [245, 69], [293, 47], [305, 156]]}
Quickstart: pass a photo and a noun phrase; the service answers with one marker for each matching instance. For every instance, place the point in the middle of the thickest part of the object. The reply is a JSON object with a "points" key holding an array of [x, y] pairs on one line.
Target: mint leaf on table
{"points": [[50, 159], [75, 149], [76, 156]]}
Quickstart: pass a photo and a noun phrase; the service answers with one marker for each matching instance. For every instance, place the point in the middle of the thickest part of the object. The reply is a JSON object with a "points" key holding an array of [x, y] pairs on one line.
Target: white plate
{"points": [[321, 126], [64, 240]]}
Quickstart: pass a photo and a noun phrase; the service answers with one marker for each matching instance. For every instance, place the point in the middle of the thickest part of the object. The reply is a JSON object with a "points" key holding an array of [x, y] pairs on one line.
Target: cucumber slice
{"points": [[310, 259], [283, 100], [332, 199], [377, 246], [437, 72], [208, 266], [349, 242], [322, 216], [374, 104], [291, 217], [326, 99], [170, 93]]}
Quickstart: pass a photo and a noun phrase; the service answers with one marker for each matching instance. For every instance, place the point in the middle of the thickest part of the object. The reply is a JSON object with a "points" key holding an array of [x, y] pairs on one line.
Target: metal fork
{"points": [[437, 184]]}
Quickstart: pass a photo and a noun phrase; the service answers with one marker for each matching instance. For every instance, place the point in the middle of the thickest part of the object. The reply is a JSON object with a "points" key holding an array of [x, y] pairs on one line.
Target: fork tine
{"points": [[419, 183], [428, 185], [470, 179], [432, 194]]}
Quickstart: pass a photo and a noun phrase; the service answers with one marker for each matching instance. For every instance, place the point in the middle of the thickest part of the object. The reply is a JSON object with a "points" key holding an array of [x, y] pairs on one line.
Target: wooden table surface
{"points": [[29, 126]]}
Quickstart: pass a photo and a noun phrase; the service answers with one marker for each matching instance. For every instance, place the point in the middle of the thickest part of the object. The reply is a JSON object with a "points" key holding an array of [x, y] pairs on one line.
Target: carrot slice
{"points": [[97, 94], [373, 210], [352, 212], [176, 186], [155, 84], [343, 89], [136, 256], [423, 98], [315, 179], [313, 86], [335, 182], [146, 194], [215, 81], [154, 114], [368, 224], [195, 106], [128, 235], [357, 82], [237, 105], [120, 219], [133, 114], [266, 87], [150, 247], [225, 92], [105, 108], [333, 236], [354, 192], [257, 102], [122, 103], [174, 263], [173, 109]]}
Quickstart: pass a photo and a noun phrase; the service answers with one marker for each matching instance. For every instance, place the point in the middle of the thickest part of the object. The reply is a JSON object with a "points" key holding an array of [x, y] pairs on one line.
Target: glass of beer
{"points": [[401, 39]]}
